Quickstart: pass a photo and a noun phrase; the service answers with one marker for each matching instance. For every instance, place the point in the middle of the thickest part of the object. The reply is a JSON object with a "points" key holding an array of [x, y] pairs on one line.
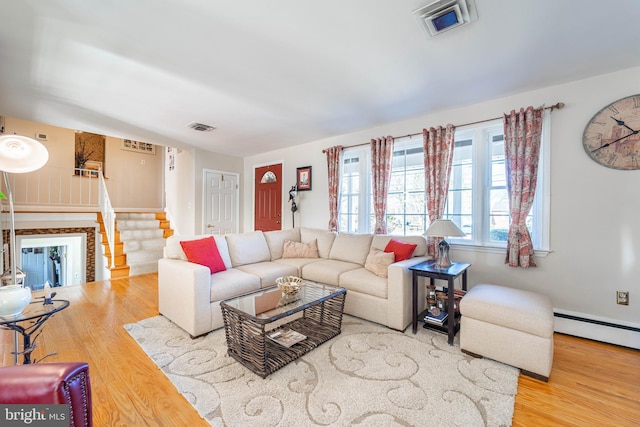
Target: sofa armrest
{"points": [[50, 383], [399, 288], [184, 294]]}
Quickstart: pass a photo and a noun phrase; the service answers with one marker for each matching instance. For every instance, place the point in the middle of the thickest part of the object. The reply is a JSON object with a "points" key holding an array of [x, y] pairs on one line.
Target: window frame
{"points": [[481, 159]]}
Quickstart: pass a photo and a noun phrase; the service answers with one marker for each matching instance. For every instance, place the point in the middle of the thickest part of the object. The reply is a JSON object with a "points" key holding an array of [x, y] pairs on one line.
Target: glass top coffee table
{"points": [[251, 319]]}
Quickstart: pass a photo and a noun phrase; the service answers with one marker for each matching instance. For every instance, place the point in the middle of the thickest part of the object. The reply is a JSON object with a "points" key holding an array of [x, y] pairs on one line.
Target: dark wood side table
{"points": [[29, 321], [431, 270]]}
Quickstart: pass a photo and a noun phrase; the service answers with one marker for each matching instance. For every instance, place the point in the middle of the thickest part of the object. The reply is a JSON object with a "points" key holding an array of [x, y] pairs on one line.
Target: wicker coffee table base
{"points": [[247, 340]]}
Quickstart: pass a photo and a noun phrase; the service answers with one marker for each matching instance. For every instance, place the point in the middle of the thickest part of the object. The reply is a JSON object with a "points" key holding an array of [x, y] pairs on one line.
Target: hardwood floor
{"points": [[591, 384]]}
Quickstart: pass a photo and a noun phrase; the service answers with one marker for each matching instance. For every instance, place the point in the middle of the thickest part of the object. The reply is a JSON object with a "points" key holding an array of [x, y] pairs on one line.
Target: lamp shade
{"points": [[444, 228], [20, 154]]}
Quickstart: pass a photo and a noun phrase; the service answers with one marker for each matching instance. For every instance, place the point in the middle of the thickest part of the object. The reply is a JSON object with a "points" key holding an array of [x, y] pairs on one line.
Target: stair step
{"points": [[118, 260], [140, 242], [144, 268], [140, 234], [119, 272], [137, 224], [135, 215], [137, 257], [143, 244]]}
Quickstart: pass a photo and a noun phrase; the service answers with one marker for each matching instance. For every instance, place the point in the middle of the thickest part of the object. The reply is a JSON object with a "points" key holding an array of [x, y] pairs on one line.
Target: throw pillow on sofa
{"points": [[378, 261], [204, 252], [402, 250], [293, 249]]}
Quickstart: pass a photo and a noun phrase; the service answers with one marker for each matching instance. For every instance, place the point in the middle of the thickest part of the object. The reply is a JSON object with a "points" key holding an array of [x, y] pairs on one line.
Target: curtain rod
{"points": [[555, 106]]}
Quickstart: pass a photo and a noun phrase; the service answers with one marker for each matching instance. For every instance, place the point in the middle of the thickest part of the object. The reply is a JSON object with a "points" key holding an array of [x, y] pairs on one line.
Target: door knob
{"points": [[211, 226], [277, 222]]}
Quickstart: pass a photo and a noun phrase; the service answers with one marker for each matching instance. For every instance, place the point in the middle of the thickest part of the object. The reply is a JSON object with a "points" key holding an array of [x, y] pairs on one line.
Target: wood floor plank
{"points": [[591, 383]]}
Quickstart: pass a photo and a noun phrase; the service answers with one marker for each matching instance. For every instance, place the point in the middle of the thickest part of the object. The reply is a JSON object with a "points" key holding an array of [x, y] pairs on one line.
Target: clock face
{"points": [[612, 136]]}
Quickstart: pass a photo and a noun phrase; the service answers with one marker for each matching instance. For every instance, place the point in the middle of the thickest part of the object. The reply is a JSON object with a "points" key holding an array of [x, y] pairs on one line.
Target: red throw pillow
{"points": [[204, 252], [401, 250]]}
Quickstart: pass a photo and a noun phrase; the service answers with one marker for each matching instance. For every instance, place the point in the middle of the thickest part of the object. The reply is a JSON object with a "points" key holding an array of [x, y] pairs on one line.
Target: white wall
{"points": [[131, 184], [595, 211], [180, 192]]}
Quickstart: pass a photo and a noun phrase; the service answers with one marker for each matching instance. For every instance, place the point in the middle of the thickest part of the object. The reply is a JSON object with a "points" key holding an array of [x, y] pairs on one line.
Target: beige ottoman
{"points": [[508, 325]]}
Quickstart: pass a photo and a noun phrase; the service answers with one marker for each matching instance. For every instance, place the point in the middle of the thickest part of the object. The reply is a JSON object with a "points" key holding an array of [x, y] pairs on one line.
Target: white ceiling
{"points": [[272, 74]]}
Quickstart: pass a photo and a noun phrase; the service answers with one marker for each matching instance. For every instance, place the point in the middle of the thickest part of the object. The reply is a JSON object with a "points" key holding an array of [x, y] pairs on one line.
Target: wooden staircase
{"points": [[121, 268]]}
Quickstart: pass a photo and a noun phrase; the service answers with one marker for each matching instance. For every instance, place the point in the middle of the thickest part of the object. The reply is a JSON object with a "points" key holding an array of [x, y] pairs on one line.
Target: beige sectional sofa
{"points": [[189, 295]]}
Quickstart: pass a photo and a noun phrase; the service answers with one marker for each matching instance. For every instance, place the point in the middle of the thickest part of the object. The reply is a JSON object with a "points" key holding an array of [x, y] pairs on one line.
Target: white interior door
{"points": [[34, 265], [221, 196]]}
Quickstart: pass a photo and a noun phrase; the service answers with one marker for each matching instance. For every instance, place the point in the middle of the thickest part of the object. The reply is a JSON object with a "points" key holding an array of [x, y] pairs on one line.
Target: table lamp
{"points": [[444, 228]]}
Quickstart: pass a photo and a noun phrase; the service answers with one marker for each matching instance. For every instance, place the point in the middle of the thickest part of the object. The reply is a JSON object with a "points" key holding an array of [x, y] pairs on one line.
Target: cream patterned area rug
{"points": [[368, 375]]}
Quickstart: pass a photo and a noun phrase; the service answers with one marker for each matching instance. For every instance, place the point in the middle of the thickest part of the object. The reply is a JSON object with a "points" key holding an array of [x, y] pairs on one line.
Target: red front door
{"points": [[268, 198]]}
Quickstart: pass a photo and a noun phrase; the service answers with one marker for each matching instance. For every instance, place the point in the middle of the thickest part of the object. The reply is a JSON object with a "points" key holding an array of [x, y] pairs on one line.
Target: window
{"points": [[406, 207], [353, 208], [477, 201]]}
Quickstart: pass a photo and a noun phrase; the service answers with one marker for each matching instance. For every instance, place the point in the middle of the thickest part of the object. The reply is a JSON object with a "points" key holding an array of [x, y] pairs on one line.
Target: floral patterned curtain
{"points": [[438, 156], [333, 164], [381, 157], [522, 136]]}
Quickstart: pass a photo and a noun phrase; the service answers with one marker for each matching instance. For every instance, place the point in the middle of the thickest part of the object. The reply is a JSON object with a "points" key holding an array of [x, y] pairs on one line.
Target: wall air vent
{"points": [[444, 15], [200, 127]]}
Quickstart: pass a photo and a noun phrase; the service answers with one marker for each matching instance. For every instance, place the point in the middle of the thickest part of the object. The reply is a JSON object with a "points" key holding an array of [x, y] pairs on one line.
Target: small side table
{"points": [[33, 317], [431, 270]]}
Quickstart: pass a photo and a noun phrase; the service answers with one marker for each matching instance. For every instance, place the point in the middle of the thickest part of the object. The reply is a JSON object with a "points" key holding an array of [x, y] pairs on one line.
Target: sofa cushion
{"points": [[300, 250], [268, 271], [327, 271], [325, 239], [380, 241], [173, 249], [276, 238], [363, 281], [400, 249], [351, 248], [248, 248], [298, 263], [231, 283], [378, 262], [204, 252]]}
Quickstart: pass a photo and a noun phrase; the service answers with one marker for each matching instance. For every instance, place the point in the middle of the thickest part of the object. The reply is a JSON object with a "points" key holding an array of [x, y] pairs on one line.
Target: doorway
{"points": [[44, 264], [268, 198], [58, 259], [220, 206]]}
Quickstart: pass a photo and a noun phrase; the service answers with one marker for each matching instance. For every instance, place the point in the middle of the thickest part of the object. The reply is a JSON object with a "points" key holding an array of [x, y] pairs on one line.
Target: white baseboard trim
{"points": [[611, 331]]}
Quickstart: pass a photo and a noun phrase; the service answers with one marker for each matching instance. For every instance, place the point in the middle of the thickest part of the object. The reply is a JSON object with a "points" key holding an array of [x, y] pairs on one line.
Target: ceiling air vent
{"points": [[444, 15], [200, 127]]}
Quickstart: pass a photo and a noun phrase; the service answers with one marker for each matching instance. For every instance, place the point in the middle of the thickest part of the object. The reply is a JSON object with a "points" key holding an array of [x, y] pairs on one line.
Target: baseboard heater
{"points": [[609, 332]]}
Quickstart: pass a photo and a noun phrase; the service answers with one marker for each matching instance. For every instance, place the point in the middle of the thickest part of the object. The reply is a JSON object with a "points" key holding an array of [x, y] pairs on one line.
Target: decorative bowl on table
{"points": [[289, 285], [13, 299]]}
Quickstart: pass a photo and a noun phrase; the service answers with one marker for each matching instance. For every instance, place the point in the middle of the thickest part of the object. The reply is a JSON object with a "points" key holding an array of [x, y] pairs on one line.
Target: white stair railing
{"points": [[108, 216], [54, 188]]}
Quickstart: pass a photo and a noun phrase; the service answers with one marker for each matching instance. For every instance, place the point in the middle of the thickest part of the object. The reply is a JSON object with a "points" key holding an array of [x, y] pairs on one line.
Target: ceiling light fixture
{"points": [[444, 15]]}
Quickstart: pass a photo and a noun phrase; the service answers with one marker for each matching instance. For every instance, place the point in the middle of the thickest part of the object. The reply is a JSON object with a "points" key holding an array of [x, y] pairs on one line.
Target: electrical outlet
{"points": [[622, 297]]}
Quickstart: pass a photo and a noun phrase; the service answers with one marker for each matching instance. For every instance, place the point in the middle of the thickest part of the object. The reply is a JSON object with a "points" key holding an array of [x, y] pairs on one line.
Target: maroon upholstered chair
{"points": [[52, 383]]}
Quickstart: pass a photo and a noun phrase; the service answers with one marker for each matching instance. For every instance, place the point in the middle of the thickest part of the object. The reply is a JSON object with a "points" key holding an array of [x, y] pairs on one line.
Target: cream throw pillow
{"points": [[293, 249], [378, 261]]}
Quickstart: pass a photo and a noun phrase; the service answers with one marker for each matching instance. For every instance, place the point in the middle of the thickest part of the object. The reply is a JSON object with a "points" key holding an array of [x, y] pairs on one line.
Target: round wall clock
{"points": [[612, 136]]}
